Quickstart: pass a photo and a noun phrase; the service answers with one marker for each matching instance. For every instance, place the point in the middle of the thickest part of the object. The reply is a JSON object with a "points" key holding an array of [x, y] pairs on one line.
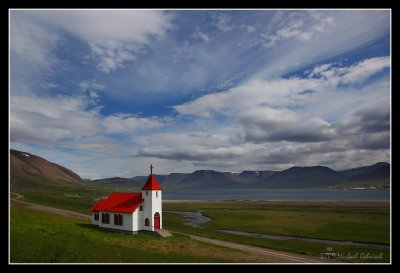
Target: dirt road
{"points": [[270, 255], [19, 197]]}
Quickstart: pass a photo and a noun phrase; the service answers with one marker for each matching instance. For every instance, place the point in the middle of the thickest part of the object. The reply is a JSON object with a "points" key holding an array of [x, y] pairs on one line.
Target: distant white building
{"points": [[131, 211]]}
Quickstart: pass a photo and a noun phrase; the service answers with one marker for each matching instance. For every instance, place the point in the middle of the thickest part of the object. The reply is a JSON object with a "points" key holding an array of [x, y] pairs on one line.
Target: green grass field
{"points": [[59, 194], [337, 221], [41, 237], [363, 222]]}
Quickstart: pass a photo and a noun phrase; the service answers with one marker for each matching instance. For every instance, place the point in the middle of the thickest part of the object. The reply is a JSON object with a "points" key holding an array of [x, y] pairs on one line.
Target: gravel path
{"points": [[271, 256], [63, 212]]}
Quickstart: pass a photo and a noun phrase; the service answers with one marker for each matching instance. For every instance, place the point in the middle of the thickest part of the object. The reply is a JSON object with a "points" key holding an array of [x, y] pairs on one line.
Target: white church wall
{"points": [[135, 220], [146, 213], [94, 222], [157, 206], [151, 205], [129, 221], [140, 216]]}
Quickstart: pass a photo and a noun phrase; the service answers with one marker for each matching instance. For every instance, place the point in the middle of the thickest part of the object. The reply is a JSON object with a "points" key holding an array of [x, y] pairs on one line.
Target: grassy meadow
{"points": [[362, 222], [41, 237]]}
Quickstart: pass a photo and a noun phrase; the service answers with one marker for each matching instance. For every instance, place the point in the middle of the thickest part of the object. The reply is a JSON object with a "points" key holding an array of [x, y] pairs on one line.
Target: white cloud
{"points": [[251, 28], [195, 147], [124, 123], [279, 92], [201, 36], [92, 89], [114, 36], [50, 119], [356, 73], [223, 22], [91, 85], [267, 124], [102, 26], [365, 69], [298, 25], [50, 85], [66, 122], [351, 30], [281, 122], [50, 107], [31, 42], [282, 92], [112, 55]]}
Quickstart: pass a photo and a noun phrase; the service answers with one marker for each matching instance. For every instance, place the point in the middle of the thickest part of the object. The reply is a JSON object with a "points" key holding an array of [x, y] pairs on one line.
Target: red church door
{"points": [[156, 220]]}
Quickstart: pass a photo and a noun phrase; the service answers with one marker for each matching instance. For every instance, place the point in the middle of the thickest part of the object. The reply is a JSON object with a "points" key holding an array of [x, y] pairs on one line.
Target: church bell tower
{"points": [[152, 205]]}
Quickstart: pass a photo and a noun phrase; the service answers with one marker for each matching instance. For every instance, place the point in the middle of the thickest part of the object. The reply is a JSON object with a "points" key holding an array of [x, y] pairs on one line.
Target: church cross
{"points": [[151, 169]]}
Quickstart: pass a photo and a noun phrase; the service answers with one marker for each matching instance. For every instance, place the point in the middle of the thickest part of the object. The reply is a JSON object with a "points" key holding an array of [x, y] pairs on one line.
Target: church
{"points": [[131, 212]]}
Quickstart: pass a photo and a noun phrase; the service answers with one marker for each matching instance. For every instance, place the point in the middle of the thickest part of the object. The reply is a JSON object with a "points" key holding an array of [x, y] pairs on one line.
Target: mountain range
{"points": [[377, 175], [25, 165]]}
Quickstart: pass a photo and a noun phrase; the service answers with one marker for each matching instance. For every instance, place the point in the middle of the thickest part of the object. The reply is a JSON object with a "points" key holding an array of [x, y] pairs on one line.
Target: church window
{"points": [[147, 192], [105, 218], [141, 208], [96, 216], [118, 219], [147, 222]]}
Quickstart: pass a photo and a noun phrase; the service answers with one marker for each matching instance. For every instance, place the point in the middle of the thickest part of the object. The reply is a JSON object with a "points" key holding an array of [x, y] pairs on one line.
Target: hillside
{"points": [[25, 165], [43, 182]]}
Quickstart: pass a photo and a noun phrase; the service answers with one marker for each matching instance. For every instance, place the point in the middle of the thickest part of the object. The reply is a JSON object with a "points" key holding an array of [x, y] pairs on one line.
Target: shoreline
{"points": [[365, 201]]}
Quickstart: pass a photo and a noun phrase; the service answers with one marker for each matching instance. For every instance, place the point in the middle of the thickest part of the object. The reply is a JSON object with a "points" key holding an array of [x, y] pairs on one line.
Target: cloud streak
{"points": [[356, 73], [114, 37], [301, 26]]}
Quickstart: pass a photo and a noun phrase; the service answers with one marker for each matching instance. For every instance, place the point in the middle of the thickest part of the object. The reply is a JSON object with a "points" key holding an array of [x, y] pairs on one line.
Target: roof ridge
{"points": [[151, 183]]}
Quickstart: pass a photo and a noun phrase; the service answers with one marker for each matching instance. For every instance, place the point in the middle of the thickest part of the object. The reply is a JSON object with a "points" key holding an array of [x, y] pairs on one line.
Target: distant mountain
{"points": [[374, 175], [25, 165], [304, 177], [113, 182], [27, 168], [134, 182], [380, 170], [203, 179], [295, 177]]}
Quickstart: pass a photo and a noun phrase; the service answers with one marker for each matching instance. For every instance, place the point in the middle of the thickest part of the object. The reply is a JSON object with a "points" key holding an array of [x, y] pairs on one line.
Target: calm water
{"points": [[279, 194]]}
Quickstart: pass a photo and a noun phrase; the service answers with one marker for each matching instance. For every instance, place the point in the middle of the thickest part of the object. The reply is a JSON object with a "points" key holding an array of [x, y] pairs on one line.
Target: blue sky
{"points": [[107, 92]]}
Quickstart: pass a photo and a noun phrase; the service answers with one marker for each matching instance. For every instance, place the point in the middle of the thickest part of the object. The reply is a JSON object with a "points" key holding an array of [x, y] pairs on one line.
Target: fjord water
{"points": [[280, 194]]}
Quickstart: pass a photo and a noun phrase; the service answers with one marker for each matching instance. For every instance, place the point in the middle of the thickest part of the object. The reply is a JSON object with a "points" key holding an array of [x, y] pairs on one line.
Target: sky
{"points": [[106, 93]]}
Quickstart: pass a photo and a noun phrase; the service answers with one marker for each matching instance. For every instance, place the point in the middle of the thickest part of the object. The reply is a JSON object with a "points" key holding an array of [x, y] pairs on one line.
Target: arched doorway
{"points": [[156, 220]]}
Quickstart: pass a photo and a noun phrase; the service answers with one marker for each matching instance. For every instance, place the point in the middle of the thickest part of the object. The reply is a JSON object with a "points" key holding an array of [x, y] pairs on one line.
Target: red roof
{"points": [[94, 208], [120, 202], [151, 184]]}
